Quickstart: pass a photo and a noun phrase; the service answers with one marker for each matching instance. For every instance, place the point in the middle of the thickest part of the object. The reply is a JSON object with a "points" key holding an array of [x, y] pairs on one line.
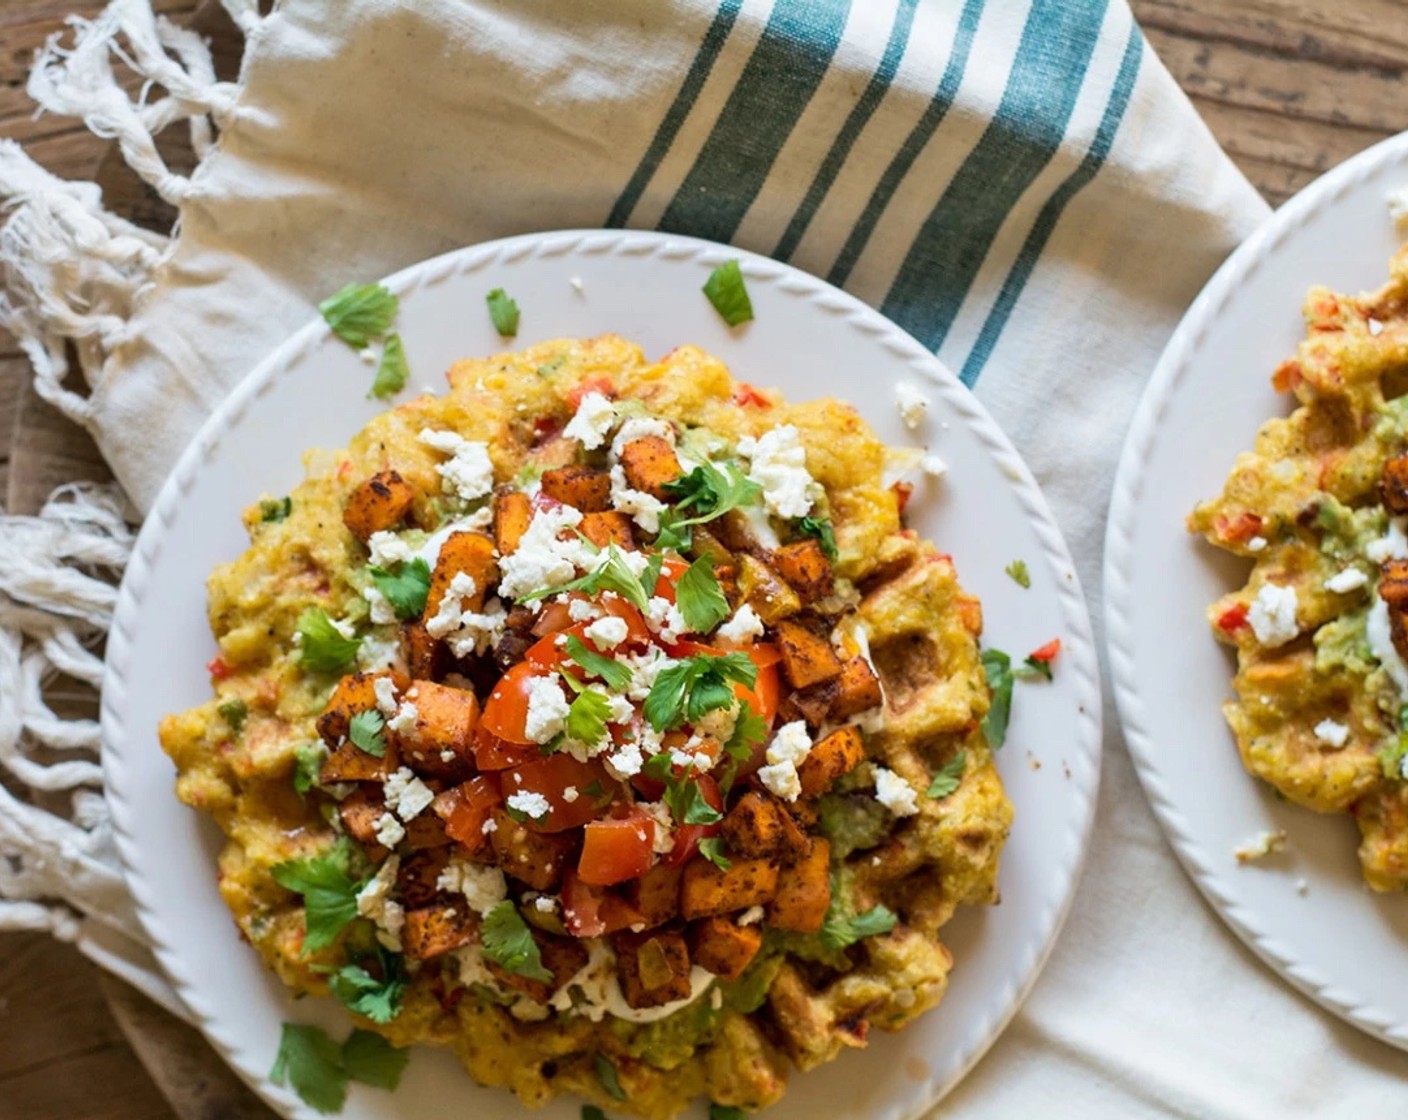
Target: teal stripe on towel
{"points": [[860, 113], [1051, 212], [1057, 42], [670, 124], [924, 128], [776, 85]]}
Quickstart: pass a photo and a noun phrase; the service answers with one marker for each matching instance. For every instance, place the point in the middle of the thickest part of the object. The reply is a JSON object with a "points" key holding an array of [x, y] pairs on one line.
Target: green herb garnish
{"points": [[610, 1080], [311, 1063], [358, 990], [726, 1112], [504, 312], [998, 668], [726, 291], [696, 686], [509, 943], [947, 779], [1018, 571], [367, 732], [616, 675], [359, 313], [373, 1061], [613, 574], [328, 889], [705, 493], [234, 712], [839, 931], [308, 759], [406, 589], [700, 598], [323, 648], [687, 804], [820, 528], [587, 715], [275, 509], [391, 369], [712, 849]]}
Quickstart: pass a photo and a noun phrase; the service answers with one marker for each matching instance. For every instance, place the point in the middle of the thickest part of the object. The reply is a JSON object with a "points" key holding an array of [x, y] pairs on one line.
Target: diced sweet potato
{"points": [[656, 894], [468, 552], [349, 763], [434, 930], [649, 463], [354, 693], [426, 658], [513, 512], [585, 488], [381, 502], [653, 966], [564, 957], [766, 591], [535, 858], [418, 875], [812, 705], [857, 690], [725, 948], [753, 827], [445, 720], [1393, 583], [1393, 485], [806, 657], [608, 528], [805, 568], [426, 830], [794, 842], [839, 753], [360, 811], [803, 891], [706, 890]]}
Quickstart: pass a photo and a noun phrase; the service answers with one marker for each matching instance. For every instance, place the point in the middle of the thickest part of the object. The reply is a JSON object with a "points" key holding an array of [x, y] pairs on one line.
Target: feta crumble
{"points": [[465, 630], [583, 610], [638, 427], [389, 831], [609, 632], [743, 625], [912, 402], [787, 751], [625, 762], [570, 794], [387, 549], [933, 466], [1261, 846], [595, 417], [406, 795], [896, 794], [374, 901], [644, 509], [1256, 544], [541, 560], [530, 804], [778, 463], [404, 721], [385, 690], [468, 472], [1332, 733], [1273, 615], [483, 886], [659, 813], [547, 710], [665, 619], [752, 916], [379, 609], [1351, 579]]}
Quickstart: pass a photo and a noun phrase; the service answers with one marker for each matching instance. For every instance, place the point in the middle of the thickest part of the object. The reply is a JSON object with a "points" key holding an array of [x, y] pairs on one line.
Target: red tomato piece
{"points": [[670, 572], [1047, 652], [554, 617], [464, 809], [687, 836], [1233, 618], [1239, 529], [614, 851], [493, 753], [636, 629], [591, 911], [218, 668], [745, 395], [552, 777], [506, 710], [596, 383], [903, 492]]}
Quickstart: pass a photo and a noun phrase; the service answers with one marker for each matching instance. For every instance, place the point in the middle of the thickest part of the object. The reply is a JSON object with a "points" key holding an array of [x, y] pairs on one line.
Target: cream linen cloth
{"points": [[1019, 184]]}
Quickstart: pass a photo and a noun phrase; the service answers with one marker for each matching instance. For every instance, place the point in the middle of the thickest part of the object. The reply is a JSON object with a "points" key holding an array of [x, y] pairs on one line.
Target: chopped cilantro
{"points": [[998, 668], [687, 804], [591, 1112], [820, 528], [406, 589], [234, 712], [373, 1061], [509, 943], [691, 688], [275, 509], [504, 312], [659, 767], [367, 732], [616, 675], [358, 990], [712, 849], [613, 574], [839, 931], [750, 730], [587, 716], [391, 370], [706, 493], [308, 759], [700, 598], [1018, 571], [948, 778], [549, 369], [359, 313], [726, 291], [323, 647], [610, 1080], [1032, 668], [328, 889], [311, 1064]]}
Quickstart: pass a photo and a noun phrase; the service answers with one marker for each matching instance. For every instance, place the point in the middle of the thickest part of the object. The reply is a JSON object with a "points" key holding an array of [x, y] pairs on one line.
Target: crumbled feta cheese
{"points": [[1260, 846], [912, 403], [778, 463], [541, 560], [781, 779], [665, 619], [377, 654], [1273, 615], [468, 472], [530, 804], [489, 826], [406, 795], [933, 466], [1332, 733], [1376, 328], [625, 762], [466, 631], [1351, 579], [620, 709], [380, 611], [576, 282], [895, 793], [751, 917], [719, 723], [788, 750], [643, 508], [609, 632], [743, 625], [570, 794], [388, 550], [545, 904], [483, 886], [583, 610], [374, 902], [385, 690], [404, 721], [1393, 545], [645, 667], [595, 417], [547, 710], [389, 831], [447, 756], [662, 839], [638, 427], [1256, 544]]}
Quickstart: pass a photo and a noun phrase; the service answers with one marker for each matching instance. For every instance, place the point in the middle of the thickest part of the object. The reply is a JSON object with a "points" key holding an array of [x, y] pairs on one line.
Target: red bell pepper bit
{"points": [[219, 669], [1233, 618], [1048, 652], [745, 395]]}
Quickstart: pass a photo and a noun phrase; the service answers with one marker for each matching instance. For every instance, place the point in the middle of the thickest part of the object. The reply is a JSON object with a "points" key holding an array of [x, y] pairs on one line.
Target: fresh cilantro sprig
{"points": [[391, 369], [839, 931], [234, 712], [712, 849], [949, 777], [695, 686], [367, 730], [503, 311], [275, 509], [318, 1069], [728, 294], [360, 313], [616, 675], [700, 598], [748, 731], [323, 648], [612, 574], [509, 943], [704, 494], [587, 714], [998, 668], [687, 804], [1018, 571], [406, 587], [378, 999], [1033, 668], [328, 889], [609, 1078], [821, 529]]}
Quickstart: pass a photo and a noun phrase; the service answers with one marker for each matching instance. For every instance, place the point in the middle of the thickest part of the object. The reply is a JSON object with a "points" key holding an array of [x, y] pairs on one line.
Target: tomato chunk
{"points": [[1047, 652], [464, 809], [493, 753], [553, 777], [614, 851], [590, 911], [1233, 618], [687, 836], [506, 710]]}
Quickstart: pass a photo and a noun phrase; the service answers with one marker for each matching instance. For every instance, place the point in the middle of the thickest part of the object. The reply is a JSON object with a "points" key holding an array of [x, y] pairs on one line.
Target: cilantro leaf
{"points": [[610, 1080], [728, 294], [323, 647], [1018, 571], [696, 686], [687, 804], [275, 509], [947, 779], [750, 730], [1032, 668], [587, 716], [998, 668], [650, 578], [367, 732], [359, 313], [616, 675], [370, 1059], [406, 589], [659, 767], [509, 943], [839, 931], [709, 493], [700, 598], [726, 1112], [613, 574], [712, 849], [591, 1112], [311, 1064], [308, 759], [820, 528], [504, 312], [329, 892], [358, 990], [391, 370], [234, 712]]}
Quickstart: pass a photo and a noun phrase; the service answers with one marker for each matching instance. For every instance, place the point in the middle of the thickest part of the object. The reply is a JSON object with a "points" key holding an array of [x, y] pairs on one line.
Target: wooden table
{"points": [[1289, 87]]}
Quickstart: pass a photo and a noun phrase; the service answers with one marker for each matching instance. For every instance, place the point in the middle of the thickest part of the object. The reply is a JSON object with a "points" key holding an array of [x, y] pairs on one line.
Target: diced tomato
{"points": [[636, 629], [550, 651], [591, 911], [465, 808], [687, 836], [1239, 529], [544, 428], [552, 777], [766, 692], [614, 851], [1288, 376], [506, 710], [1233, 618], [596, 383], [670, 572], [493, 753], [1048, 652], [652, 789], [552, 618], [744, 395], [903, 492], [218, 668]]}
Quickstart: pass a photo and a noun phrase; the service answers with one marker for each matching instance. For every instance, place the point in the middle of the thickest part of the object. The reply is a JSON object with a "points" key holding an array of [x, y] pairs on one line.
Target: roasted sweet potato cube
{"points": [[1393, 485], [419, 874], [437, 929], [807, 658], [445, 720], [653, 966], [471, 553], [354, 693], [766, 591], [794, 842], [656, 894], [349, 763], [839, 753], [706, 890], [724, 947], [535, 858], [753, 827], [585, 488], [360, 811], [857, 690], [1393, 583], [803, 891], [564, 957], [813, 705], [609, 528], [381, 502], [805, 568], [427, 658], [649, 463], [513, 512], [426, 830]]}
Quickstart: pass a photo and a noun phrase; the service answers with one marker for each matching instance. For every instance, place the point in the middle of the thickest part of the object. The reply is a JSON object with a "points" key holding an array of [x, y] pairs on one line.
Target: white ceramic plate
{"points": [[1334, 939], [810, 340]]}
